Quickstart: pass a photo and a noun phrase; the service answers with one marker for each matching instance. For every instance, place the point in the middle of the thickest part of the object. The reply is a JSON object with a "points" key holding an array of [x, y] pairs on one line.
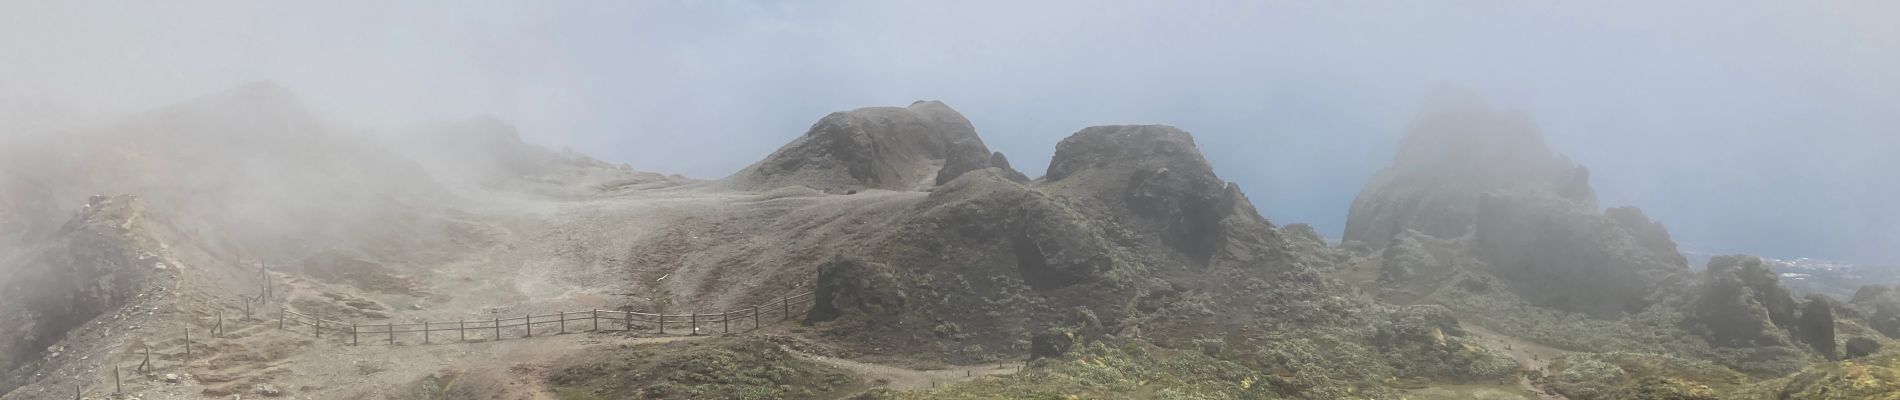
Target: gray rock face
{"points": [[894, 148]]}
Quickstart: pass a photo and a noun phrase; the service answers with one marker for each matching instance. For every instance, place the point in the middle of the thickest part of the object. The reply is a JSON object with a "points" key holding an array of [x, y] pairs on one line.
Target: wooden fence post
{"points": [[497, 328], [187, 341], [725, 320], [280, 318], [595, 315], [219, 331], [352, 333], [529, 323], [317, 323], [461, 328], [425, 332], [662, 319], [695, 331], [629, 321], [117, 388], [755, 317], [391, 327], [563, 322]]}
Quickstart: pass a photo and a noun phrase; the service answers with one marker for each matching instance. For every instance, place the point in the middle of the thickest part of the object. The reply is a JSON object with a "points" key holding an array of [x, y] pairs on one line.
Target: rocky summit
{"points": [[1470, 171], [892, 148]]}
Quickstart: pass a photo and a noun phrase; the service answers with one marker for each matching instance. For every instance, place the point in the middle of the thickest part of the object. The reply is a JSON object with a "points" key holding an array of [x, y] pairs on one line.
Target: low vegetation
{"points": [[1111, 370], [737, 369]]}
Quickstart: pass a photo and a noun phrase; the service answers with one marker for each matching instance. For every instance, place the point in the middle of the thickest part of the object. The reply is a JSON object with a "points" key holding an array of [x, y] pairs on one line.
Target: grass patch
{"points": [[1122, 370], [736, 369]]}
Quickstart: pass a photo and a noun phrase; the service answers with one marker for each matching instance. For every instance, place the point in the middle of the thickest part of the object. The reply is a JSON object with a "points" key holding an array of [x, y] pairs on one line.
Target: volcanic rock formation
{"points": [[1467, 170], [893, 148]]}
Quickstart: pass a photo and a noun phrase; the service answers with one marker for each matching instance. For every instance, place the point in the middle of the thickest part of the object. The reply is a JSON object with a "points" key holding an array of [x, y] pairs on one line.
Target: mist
{"points": [[1761, 128]]}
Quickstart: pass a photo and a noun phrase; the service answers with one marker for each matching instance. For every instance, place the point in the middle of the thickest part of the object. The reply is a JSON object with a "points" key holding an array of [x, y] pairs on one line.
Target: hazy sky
{"points": [[1769, 128]]}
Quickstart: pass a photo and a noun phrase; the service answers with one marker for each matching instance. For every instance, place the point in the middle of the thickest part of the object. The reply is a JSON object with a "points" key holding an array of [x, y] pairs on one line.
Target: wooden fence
{"points": [[528, 325]]}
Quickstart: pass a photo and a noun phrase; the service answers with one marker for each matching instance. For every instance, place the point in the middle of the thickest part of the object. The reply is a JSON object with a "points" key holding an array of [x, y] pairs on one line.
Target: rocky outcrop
{"points": [[998, 161], [1742, 304], [893, 148], [96, 262], [1467, 170], [1155, 174], [1816, 326], [1878, 307], [1452, 156]]}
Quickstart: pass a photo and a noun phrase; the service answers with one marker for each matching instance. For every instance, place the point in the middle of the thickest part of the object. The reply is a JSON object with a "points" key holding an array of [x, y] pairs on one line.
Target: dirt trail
{"points": [[1530, 356], [900, 378]]}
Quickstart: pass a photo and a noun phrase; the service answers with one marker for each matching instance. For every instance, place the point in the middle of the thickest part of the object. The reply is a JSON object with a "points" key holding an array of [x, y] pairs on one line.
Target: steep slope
{"points": [[890, 148], [99, 260]]}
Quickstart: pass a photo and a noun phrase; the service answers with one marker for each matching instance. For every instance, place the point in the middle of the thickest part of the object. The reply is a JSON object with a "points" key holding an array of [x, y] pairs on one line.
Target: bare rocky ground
{"points": [[667, 244]]}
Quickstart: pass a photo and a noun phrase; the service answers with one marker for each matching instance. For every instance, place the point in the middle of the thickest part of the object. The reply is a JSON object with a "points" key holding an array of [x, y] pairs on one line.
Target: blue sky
{"points": [[1762, 127]]}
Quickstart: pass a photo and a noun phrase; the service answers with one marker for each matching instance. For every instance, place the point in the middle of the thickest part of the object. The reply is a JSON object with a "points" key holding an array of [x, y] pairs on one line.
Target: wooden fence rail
{"points": [[497, 328]]}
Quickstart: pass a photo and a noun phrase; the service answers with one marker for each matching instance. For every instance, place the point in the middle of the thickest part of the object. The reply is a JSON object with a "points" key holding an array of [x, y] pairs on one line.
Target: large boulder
{"points": [[893, 148]]}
